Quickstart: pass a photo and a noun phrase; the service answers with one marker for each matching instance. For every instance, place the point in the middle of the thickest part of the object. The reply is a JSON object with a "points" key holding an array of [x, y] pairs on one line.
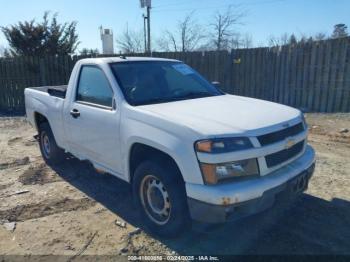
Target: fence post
{"points": [[229, 74], [42, 72]]}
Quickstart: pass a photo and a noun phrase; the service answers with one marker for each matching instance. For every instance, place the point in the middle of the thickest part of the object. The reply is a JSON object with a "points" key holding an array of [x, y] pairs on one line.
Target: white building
{"points": [[107, 41]]}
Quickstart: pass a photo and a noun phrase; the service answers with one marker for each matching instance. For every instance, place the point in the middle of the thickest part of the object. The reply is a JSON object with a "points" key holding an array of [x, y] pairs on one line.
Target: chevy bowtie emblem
{"points": [[289, 143]]}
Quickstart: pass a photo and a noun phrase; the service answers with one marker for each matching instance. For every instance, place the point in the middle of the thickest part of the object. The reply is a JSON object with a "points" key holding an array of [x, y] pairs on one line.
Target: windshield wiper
{"points": [[176, 98], [194, 95], [156, 101]]}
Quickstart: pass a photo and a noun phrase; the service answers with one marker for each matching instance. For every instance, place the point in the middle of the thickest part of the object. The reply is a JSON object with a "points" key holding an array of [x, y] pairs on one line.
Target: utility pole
{"points": [[147, 4], [144, 32], [149, 27]]}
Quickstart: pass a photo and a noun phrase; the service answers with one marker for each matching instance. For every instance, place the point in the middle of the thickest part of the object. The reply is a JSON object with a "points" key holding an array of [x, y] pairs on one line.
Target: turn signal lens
{"points": [[209, 173], [223, 145], [204, 146]]}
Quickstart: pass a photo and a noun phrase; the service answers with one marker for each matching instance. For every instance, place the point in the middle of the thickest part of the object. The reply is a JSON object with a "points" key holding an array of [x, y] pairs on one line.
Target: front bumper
{"points": [[220, 203]]}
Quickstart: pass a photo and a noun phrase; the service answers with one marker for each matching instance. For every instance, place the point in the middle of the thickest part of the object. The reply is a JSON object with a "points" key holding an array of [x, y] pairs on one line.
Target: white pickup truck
{"points": [[188, 149]]}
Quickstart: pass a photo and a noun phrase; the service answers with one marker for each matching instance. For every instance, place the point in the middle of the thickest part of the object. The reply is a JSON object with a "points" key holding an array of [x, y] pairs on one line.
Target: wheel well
{"points": [[39, 119], [140, 152]]}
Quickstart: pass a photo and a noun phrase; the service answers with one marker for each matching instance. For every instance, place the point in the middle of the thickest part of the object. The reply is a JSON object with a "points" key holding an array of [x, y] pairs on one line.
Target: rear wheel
{"points": [[51, 153], [159, 194]]}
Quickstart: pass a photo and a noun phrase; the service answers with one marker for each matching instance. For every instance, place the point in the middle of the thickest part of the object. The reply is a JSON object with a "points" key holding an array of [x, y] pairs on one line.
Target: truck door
{"points": [[93, 121]]}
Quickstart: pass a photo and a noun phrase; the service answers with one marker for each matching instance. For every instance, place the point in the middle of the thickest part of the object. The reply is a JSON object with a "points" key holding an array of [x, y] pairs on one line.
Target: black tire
{"points": [[50, 152], [178, 219]]}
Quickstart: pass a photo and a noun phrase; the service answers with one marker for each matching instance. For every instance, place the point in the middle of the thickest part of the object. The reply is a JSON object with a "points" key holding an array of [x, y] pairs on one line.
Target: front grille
{"points": [[280, 135], [284, 155]]}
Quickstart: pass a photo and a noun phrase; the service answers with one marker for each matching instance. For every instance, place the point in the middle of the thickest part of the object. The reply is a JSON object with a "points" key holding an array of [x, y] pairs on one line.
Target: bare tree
{"points": [[304, 38], [273, 41], [168, 42], [2, 51], [130, 41], [284, 39], [222, 28], [187, 36], [293, 39], [247, 41], [239, 40], [320, 36], [234, 42], [89, 52], [190, 33]]}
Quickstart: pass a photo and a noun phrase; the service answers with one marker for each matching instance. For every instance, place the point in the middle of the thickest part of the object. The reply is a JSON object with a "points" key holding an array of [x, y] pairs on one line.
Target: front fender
{"points": [[178, 148]]}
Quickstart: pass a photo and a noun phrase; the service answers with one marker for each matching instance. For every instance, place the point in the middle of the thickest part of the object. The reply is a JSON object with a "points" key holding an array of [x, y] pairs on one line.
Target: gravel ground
{"points": [[72, 210]]}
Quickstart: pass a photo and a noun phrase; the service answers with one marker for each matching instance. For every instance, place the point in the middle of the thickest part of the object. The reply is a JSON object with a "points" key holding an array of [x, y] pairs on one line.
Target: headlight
{"points": [[213, 173], [223, 145]]}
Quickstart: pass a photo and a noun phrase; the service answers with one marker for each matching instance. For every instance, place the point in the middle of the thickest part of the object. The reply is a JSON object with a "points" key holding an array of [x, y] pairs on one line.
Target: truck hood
{"points": [[226, 115]]}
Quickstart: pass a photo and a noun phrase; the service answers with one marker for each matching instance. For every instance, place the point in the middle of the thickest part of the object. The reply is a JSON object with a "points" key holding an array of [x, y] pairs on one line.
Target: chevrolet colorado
{"points": [[189, 150]]}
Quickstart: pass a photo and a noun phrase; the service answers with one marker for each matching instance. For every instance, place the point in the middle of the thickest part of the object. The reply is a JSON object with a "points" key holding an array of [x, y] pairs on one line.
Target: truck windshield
{"points": [[151, 82]]}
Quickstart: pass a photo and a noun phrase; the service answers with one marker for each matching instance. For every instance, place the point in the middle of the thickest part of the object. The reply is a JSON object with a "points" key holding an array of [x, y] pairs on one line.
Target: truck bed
{"points": [[58, 91]]}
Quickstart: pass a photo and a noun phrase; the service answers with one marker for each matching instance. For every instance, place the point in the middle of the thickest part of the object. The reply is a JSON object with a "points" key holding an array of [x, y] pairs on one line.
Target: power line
{"points": [[190, 9], [219, 7], [167, 5], [264, 2]]}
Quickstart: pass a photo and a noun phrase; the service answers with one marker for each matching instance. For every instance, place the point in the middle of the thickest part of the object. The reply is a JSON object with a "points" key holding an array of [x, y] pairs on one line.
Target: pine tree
{"points": [[340, 30], [32, 38]]}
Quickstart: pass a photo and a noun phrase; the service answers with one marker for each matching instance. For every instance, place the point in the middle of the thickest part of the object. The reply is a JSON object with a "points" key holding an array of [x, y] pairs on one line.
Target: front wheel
{"points": [[51, 153], [160, 196]]}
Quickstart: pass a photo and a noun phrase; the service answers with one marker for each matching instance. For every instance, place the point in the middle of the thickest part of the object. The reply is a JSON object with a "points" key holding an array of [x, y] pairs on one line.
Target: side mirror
{"points": [[216, 84]]}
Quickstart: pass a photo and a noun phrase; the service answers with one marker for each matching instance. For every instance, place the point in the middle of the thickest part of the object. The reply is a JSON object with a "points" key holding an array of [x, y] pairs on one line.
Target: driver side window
{"points": [[93, 87]]}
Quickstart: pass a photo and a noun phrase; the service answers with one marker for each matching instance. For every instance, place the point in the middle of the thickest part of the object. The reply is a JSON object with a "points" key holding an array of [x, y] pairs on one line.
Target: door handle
{"points": [[75, 113]]}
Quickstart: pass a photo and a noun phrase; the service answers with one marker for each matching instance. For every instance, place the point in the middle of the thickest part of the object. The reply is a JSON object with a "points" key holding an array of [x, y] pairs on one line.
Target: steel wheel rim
{"points": [[45, 144], [155, 199]]}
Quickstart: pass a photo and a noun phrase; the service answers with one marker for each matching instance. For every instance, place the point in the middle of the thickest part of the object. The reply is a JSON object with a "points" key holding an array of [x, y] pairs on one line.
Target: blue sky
{"points": [[264, 17]]}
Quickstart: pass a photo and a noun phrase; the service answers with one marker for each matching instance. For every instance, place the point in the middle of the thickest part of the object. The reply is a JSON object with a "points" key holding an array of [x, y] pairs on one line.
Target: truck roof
{"points": [[124, 59]]}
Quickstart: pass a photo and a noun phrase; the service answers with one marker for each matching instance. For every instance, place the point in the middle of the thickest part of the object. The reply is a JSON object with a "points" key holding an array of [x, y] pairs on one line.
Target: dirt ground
{"points": [[72, 210]]}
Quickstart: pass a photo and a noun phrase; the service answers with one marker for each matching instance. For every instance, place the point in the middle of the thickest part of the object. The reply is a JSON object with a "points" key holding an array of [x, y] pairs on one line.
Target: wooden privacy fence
{"points": [[312, 76]]}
